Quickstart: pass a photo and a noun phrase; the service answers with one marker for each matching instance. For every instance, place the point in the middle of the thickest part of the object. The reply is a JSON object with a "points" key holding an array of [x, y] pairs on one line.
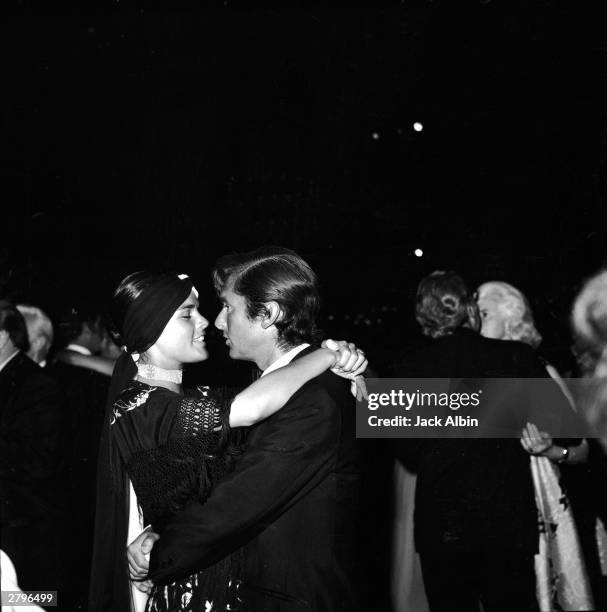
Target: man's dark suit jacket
{"points": [[85, 393], [31, 426], [32, 496], [470, 482], [291, 502]]}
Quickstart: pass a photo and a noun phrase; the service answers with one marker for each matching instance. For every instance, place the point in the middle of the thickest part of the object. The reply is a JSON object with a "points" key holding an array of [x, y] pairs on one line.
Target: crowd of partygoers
{"points": [[129, 484]]}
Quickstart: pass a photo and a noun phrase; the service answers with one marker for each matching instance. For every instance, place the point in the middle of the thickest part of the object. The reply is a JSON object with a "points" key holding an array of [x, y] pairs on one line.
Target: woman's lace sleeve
{"points": [[186, 467], [208, 410]]}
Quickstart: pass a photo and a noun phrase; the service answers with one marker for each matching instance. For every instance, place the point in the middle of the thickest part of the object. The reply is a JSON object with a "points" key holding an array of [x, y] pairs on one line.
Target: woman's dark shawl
{"points": [[143, 324]]}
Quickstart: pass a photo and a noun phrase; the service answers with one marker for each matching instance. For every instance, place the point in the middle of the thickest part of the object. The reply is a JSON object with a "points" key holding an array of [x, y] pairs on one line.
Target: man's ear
{"points": [[474, 317], [37, 343], [272, 315]]}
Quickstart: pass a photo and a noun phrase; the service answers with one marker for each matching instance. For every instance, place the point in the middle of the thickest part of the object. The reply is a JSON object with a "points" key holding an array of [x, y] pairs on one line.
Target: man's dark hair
{"points": [[73, 319], [274, 274], [13, 322], [444, 303]]}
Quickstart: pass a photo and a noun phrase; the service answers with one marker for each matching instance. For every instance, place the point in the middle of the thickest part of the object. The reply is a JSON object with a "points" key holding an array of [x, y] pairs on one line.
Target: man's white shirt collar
{"points": [[6, 361], [77, 348], [286, 358]]}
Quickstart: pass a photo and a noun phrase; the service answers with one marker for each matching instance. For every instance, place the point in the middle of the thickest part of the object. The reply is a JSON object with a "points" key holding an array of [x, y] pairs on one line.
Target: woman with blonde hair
{"points": [[589, 319], [506, 314], [562, 581]]}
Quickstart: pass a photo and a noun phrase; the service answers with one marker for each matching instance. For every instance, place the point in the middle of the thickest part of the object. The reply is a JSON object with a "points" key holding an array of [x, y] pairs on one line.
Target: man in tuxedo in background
{"points": [[33, 514], [39, 333], [80, 331], [291, 501]]}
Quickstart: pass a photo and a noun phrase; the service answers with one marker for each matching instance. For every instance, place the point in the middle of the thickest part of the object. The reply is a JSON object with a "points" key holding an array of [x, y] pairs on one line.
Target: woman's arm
{"points": [[539, 443], [270, 393], [103, 365], [570, 455]]}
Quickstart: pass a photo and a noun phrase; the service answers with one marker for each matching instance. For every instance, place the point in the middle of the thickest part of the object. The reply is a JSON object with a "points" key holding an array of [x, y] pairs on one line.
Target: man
{"points": [[32, 510], [39, 333], [291, 501], [80, 332]]}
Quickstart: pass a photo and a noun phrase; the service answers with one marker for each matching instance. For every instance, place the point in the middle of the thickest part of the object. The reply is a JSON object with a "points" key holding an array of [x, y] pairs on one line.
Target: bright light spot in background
{"points": [[418, 252], [418, 127], [375, 136]]}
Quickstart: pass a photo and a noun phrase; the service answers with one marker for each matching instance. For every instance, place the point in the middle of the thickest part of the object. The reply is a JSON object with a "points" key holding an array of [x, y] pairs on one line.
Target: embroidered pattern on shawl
{"points": [[122, 406]]}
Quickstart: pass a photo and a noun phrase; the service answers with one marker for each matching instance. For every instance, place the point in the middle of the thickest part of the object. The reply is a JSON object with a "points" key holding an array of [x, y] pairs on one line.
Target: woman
{"points": [[172, 446], [506, 315], [589, 320], [589, 323], [560, 569]]}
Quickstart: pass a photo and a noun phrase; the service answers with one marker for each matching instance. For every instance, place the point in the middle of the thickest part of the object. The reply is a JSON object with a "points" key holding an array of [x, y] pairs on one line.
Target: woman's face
{"points": [[182, 340], [493, 321]]}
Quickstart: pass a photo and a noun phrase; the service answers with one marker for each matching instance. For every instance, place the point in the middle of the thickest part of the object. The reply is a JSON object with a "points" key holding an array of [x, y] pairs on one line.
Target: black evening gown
{"points": [[172, 448]]}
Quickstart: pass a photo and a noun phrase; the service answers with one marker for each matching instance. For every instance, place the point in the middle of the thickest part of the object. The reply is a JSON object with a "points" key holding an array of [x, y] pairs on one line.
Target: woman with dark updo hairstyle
{"points": [[163, 446]]}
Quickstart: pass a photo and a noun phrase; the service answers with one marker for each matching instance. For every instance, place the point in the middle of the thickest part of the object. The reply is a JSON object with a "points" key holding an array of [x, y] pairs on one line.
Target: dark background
{"points": [[139, 136], [136, 136]]}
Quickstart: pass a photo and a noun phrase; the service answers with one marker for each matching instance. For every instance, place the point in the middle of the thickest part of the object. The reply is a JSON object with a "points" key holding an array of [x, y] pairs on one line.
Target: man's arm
{"points": [[296, 451]]}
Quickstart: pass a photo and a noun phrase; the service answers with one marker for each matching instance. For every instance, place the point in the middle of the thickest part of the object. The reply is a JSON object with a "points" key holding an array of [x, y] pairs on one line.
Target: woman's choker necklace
{"points": [[152, 372]]}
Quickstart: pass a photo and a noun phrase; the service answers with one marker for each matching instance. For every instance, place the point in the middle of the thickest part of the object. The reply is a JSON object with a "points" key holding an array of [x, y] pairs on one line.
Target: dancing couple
{"points": [[261, 524]]}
